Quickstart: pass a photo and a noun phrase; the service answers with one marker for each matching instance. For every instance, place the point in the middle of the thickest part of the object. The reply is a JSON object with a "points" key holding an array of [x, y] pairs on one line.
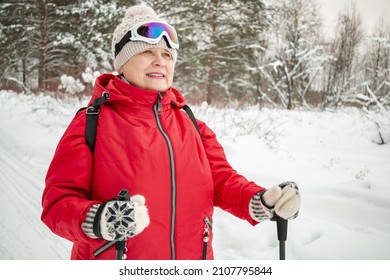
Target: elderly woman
{"points": [[176, 173]]}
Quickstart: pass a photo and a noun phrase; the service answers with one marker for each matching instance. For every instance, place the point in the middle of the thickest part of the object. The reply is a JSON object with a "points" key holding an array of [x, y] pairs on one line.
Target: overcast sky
{"points": [[370, 11]]}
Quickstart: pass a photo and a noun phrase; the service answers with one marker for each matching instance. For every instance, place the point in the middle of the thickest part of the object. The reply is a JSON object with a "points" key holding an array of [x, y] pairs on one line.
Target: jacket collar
{"points": [[130, 96]]}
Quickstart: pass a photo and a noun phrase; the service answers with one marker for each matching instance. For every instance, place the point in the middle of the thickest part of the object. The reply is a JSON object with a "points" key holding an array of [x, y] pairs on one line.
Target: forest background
{"points": [[232, 53]]}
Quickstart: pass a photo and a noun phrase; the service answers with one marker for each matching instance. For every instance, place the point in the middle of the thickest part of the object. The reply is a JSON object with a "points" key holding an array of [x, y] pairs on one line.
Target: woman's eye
{"points": [[167, 55], [147, 52]]}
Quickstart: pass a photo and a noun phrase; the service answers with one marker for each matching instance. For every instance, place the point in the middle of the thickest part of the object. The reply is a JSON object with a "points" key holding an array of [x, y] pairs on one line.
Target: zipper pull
{"points": [[206, 232], [159, 103], [206, 238], [208, 222]]}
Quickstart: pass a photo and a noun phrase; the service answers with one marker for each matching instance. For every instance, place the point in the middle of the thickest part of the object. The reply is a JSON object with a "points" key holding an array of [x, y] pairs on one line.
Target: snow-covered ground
{"points": [[342, 173]]}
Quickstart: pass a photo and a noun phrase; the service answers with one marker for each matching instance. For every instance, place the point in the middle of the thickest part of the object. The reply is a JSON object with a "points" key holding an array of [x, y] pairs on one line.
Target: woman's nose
{"points": [[158, 60]]}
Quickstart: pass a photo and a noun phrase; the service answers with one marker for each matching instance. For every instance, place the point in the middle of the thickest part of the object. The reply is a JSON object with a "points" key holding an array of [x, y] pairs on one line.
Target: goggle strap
{"points": [[119, 46], [167, 41]]}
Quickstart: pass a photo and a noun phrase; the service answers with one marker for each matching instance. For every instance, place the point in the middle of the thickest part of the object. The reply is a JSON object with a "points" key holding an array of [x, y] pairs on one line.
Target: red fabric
{"points": [[131, 153]]}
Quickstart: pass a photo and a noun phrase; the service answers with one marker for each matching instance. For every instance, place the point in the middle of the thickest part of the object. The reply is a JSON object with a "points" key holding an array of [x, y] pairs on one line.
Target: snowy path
{"points": [[23, 235], [20, 200]]}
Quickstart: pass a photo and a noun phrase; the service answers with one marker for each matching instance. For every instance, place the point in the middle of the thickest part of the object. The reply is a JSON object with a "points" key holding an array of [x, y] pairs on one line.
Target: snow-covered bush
{"points": [[71, 85]]}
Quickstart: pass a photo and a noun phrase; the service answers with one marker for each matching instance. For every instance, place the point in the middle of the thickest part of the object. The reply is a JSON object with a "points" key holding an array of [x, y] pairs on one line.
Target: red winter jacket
{"points": [[181, 181]]}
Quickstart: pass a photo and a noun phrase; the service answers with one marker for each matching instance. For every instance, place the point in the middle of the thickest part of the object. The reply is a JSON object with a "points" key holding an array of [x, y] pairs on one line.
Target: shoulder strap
{"points": [[192, 117], [91, 126], [92, 115]]}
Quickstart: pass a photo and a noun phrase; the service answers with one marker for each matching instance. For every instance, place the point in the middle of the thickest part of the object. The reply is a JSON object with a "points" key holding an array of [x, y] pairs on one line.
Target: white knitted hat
{"points": [[136, 14]]}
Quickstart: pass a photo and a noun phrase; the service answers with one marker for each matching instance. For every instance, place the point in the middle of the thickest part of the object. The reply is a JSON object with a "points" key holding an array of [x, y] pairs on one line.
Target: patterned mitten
{"points": [[117, 220], [282, 200]]}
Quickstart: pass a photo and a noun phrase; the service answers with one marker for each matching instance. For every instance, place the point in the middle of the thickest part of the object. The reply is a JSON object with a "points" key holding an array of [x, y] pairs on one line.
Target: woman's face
{"points": [[151, 69]]}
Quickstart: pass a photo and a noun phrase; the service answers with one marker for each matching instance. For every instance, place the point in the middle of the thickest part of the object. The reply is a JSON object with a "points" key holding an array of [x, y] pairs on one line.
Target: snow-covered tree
{"points": [[295, 55], [45, 39], [217, 41], [342, 70], [376, 85], [16, 42]]}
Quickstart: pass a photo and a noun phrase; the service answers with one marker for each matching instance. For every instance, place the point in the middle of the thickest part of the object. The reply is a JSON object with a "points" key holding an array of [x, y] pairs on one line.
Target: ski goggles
{"points": [[149, 32]]}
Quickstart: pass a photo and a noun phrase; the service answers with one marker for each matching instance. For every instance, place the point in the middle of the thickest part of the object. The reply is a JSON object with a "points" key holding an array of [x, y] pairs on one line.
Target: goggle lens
{"points": [[154, 30]]}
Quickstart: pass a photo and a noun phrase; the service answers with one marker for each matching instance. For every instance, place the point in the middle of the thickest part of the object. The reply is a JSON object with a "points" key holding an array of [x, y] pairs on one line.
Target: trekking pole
{"points": [[282, 236], [121, 245]]}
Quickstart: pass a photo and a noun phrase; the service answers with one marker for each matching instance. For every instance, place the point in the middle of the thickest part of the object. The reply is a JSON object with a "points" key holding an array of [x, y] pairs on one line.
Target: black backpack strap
{"points": [[93, 111], [92, 120], [91, 127], [81, 109], [192, 117]]}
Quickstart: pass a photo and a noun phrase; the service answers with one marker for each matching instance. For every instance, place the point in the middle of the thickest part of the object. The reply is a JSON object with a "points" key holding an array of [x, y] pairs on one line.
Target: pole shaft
{"points": [[282, 236], [282, 250]]}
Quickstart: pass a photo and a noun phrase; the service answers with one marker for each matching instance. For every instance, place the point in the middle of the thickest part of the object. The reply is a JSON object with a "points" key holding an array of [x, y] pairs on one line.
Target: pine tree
{"points": [[17, 29], [98, 19], [218, 40], [44, 39]]}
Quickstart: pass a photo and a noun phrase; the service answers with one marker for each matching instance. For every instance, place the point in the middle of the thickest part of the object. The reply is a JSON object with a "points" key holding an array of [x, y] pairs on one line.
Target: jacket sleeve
{"points": [[65, 199], [232, 191]]}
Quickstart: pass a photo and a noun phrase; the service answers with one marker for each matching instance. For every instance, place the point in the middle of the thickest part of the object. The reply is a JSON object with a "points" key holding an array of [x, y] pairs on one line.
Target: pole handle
{"points": [[120, 246], [281, 225], [123, 195], [282, 228]]}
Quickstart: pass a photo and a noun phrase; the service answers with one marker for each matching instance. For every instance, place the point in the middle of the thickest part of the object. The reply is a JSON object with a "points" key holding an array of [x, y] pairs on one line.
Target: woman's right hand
{"points": [[117, 220]]}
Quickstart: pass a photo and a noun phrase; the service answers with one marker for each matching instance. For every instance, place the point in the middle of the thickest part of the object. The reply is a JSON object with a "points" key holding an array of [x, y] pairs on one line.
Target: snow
{"points": [[342, 172], [71, 85], [89, 76]]}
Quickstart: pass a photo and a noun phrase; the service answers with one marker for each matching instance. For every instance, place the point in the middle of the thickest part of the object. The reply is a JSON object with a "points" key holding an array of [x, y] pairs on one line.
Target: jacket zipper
{"points": [[157, 109], [206, 232]]}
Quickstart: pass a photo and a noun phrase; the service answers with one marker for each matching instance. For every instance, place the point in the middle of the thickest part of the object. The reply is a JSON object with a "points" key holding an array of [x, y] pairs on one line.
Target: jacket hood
{"points": [[129, 95]]}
